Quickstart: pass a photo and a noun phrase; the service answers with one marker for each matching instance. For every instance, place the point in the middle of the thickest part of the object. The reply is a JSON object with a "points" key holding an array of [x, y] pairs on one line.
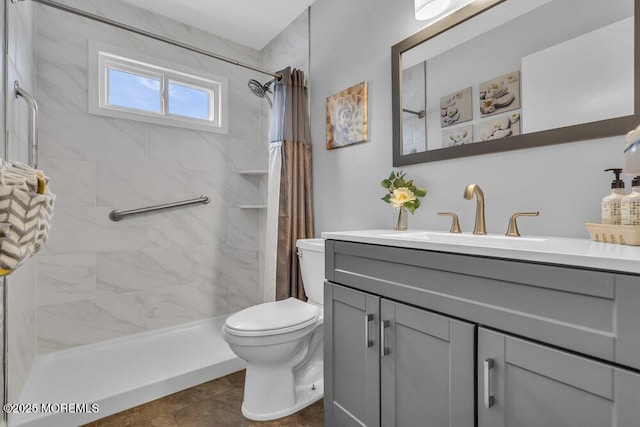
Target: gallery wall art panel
{"points": [[500, 94], [456, 108]]}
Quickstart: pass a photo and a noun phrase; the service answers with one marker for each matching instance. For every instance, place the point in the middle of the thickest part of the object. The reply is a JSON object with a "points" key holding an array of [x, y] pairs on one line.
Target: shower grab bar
{"points": [[116, 215], [33, 123]]}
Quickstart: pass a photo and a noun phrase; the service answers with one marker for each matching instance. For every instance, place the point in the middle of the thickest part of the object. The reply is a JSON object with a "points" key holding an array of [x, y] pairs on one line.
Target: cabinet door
{"points": [[427, 368], [351, 356], [522, 384]]}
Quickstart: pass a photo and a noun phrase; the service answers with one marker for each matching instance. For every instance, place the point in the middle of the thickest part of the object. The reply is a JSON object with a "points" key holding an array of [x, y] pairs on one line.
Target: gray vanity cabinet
{"points": [[525, 384], [477, 341], [391, 364], [352, 358]]}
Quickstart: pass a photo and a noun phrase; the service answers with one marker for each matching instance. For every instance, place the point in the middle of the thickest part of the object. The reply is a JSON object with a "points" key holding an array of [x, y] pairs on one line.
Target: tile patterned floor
{"points": [[212, 404]]}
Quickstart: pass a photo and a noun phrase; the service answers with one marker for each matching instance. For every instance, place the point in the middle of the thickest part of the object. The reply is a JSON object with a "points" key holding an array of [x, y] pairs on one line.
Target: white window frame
{"points": [[103, 56]]}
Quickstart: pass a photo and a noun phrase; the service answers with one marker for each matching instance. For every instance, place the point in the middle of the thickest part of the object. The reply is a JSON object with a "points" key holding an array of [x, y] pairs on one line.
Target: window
{"points": [[133, 86]]}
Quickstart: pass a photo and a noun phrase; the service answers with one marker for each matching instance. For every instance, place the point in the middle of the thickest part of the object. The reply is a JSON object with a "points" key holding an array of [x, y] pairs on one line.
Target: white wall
{"points": [[21, 286], [350, 42], [604, 91], [98, 279]]}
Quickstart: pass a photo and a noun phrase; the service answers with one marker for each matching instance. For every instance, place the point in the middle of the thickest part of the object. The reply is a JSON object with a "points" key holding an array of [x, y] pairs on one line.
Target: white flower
{"points": [[487, 106], [459, 136], [400, 196], [496, 90]]}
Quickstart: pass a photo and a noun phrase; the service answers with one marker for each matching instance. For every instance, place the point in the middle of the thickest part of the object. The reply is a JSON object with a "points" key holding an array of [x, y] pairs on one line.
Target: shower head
{"points": [[256, 88], [260, 90]]}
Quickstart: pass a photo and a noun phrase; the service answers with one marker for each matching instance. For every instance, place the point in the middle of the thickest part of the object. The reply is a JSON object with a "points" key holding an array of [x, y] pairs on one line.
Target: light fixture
{"points": [[427, 9]]}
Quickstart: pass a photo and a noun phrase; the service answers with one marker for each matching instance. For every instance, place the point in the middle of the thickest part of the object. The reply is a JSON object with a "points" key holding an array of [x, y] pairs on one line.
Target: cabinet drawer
{"points": [[592, 312]]}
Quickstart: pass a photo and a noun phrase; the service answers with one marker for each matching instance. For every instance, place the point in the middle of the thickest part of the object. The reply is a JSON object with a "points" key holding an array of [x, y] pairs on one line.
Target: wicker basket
{"points": [[620, 234]]}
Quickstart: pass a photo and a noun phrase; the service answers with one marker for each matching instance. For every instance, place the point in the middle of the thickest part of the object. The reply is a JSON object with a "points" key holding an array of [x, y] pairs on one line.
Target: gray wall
{"points": [[350, 42]]}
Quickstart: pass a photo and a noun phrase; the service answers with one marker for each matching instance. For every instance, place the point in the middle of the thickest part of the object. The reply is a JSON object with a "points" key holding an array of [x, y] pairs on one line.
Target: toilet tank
{"points": [[311, 256]]}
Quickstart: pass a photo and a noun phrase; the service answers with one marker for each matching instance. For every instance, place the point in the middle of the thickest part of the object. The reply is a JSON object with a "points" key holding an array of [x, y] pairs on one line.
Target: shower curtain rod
{"points": [[131, 29]]}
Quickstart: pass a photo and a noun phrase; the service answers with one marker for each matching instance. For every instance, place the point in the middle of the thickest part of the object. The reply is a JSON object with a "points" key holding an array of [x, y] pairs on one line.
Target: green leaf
{"points": [[387, 198], [420, 192], [410, 206], [386, 183], [398, 182], [392, 176]]}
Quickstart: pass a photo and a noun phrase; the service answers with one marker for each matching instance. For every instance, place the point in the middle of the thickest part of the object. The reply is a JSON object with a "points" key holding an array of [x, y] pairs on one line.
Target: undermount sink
{"points": [[467, 239]]}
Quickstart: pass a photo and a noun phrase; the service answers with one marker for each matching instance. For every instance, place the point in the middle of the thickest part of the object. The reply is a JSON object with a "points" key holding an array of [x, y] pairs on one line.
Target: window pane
{"points": [[189, 102], [133, 91]]}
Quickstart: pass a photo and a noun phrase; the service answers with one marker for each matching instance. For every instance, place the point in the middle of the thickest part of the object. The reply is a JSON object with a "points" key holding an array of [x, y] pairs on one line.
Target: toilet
{"points": [[281, 342]]}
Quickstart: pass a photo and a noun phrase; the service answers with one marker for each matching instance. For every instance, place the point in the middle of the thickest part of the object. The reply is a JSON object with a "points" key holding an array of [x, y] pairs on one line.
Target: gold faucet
{"points": [[513, 231], [469, 191], [455, 224]]}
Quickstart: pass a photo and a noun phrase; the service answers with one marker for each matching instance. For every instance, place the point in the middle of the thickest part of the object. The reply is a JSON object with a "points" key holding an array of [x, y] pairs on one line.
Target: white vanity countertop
{"points": [[552, 250]]}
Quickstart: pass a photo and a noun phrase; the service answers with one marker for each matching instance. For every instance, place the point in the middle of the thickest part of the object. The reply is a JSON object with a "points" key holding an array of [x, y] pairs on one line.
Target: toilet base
{"points": [[305, 396]]}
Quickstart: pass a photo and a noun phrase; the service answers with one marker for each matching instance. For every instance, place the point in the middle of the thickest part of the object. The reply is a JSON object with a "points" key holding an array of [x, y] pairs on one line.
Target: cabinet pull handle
{"points": [[367, 318], [488, 398], [383, 349]]}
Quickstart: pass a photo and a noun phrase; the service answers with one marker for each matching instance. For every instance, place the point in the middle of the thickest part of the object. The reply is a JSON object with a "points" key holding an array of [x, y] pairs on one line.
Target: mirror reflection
{"points": [[521, 67]]}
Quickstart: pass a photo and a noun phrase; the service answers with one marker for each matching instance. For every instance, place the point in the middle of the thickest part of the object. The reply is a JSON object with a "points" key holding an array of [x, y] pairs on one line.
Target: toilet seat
{"points": [[272, 318]]}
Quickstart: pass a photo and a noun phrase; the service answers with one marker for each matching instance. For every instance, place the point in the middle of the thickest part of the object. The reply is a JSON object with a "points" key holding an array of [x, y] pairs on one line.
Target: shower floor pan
{"points": [[124, 372]]}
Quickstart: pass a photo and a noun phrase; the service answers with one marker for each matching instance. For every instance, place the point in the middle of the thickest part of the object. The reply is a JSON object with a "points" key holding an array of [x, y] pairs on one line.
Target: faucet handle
{"points": [[455, 225], [513, 225]]}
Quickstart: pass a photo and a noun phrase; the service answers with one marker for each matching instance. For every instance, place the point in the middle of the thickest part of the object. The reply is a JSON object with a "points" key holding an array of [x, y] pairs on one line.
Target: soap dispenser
{"points": [[612, 204], [631, 204]]}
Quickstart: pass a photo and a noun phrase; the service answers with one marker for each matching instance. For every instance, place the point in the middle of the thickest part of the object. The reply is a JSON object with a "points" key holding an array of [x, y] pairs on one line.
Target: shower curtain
{"points": [[289, 204]]}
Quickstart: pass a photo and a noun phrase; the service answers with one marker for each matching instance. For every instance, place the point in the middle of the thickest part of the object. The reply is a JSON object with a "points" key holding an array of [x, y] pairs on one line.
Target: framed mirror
{"points": [[501, 75]]}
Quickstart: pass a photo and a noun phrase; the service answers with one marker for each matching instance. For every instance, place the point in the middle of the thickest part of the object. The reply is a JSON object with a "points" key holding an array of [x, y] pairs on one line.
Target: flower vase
{"points": [[400, 218]]}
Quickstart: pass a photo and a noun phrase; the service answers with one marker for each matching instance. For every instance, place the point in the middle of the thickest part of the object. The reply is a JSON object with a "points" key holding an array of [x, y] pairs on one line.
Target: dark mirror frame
{"points": [[585, 131]]}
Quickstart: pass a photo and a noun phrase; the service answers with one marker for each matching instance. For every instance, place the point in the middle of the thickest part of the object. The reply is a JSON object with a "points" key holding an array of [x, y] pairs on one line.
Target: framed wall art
{"points": [[347, 121]]}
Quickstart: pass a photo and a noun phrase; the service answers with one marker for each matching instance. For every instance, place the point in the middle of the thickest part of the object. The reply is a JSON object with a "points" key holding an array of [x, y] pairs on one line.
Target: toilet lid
{"points": [[272, 318]]}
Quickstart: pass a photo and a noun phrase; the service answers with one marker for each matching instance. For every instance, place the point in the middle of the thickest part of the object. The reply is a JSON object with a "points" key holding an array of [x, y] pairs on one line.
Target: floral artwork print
{"points": [[500, 94], [347, 117], [456, 108], [500, 127], [458, 136]]}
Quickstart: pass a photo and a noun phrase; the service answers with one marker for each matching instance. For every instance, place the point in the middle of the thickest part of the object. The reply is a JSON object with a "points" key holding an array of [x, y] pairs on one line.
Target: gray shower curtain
{"points": [[290, 132]]}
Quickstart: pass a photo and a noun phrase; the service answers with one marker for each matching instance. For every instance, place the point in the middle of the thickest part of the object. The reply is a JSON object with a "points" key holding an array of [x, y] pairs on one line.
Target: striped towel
{"points": [[26, 208]]}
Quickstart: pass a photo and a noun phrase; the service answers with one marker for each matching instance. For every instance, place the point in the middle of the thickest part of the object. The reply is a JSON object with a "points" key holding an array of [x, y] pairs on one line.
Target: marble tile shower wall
{"points": [[290, 47], [21, 286], [98, 279]]}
